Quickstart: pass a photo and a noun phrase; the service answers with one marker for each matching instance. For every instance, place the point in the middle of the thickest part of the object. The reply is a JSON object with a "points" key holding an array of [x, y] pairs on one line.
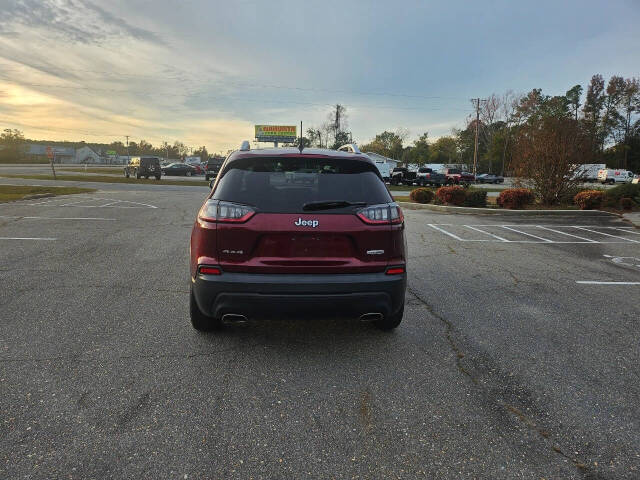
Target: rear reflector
{"points": [[395, 271], [210, 270]]}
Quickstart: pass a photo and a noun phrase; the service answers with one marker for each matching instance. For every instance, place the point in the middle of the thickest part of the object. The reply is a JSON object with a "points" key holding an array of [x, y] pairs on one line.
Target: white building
{"points": [[385, 164], [87, 155]]}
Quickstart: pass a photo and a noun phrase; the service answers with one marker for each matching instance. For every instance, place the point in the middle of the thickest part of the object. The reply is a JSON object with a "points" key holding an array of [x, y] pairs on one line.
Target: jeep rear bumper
{"points": [[266, 295]]}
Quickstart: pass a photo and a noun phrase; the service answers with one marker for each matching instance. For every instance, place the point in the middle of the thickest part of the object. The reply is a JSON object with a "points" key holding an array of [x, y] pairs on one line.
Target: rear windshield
{"points": [[285, 184], [149, 162]]}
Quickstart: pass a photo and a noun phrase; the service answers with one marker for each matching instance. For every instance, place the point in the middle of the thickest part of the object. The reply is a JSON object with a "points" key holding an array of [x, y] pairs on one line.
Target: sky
{"points": [[205, 71]]}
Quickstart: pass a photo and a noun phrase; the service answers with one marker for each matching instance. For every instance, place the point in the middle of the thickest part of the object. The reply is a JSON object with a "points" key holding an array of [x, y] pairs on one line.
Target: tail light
{"points": [[207, 270], [384, 214], [227, 212]]}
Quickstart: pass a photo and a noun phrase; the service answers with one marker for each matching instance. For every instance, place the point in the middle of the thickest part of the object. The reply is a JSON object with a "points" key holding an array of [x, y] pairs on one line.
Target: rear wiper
{"points": [[329, 204]]}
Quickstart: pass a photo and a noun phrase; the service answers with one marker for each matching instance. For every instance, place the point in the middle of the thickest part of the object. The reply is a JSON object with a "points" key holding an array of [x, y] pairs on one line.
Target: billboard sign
{"points": [[276, 133]]}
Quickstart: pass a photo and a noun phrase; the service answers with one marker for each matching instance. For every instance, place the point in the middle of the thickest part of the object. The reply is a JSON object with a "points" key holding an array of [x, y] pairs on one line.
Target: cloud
{"points": [[75, 20]]}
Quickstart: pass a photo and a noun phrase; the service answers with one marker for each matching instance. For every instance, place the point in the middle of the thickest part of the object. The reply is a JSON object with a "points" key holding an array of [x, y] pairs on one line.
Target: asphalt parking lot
{"points": [[517, 357]]}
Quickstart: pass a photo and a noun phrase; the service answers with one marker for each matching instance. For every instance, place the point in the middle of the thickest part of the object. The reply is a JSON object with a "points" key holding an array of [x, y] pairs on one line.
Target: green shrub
{"points": [[628, 190], [454, 195], [421, 195], [475, 198], [626, 203], [514, 198], [589, 199]]}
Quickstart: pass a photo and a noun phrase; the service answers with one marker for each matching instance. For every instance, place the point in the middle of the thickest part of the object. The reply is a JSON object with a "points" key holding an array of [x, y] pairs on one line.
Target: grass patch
{"points": [[9, 193], [105, 179], [112, 171], [402, 198], [24, 161]]}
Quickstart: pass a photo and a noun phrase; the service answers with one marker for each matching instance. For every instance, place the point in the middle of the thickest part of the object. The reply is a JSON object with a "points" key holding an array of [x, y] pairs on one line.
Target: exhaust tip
{"points": [[371, 317], [234, 319]]}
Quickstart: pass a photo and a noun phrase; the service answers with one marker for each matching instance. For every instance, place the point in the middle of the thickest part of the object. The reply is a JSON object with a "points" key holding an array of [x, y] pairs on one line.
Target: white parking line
{"points": [[593, 282], [83, 201], [627, 229], [608, 234], [487, 233], [568, 234], [57, 218], [537, 239], [445, 232], [525, 233], [48, 239]]}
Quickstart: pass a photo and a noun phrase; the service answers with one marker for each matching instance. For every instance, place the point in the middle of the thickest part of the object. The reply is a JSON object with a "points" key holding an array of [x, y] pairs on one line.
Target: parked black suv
{"points": [[143, 167], [212, 168]]}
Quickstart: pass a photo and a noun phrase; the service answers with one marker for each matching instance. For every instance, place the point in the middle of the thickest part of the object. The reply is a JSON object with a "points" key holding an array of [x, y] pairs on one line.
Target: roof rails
{"points": [[246, 146], [350, 147]]}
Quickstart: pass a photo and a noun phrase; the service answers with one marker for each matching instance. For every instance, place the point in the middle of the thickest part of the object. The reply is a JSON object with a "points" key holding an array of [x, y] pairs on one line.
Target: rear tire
{"points": [[392, 321], [199, 320], [157, 177]]}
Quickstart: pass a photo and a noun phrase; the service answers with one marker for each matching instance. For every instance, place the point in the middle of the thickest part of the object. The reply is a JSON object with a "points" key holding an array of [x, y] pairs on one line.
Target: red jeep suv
{"points": [[293, 233]]}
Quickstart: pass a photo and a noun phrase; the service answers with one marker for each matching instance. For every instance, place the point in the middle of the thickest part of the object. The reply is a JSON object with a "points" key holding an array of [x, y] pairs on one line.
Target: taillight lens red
{"points": [[383, 214], [218, 211], [395, 271], [206, 270]]}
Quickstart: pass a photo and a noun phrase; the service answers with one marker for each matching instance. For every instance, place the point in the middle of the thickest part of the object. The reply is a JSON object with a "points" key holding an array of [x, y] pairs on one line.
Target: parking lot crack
{"points": [[493, 394]]}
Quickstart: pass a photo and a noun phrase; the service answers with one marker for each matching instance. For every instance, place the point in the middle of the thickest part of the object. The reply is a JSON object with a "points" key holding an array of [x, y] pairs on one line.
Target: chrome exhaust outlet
{"points": [[234, 319], [371, 317]]}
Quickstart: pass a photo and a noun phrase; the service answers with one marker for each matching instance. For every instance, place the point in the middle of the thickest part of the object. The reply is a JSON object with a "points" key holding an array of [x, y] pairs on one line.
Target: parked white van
{"points": [[611, 175]]}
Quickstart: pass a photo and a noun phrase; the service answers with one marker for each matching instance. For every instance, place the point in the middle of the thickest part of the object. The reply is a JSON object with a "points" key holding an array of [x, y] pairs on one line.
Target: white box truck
{"points": [[588, 172]]}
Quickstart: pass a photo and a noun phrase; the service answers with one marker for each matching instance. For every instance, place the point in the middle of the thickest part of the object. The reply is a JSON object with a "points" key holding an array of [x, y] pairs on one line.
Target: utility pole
{"points": [[475, 148], [128, 157]]}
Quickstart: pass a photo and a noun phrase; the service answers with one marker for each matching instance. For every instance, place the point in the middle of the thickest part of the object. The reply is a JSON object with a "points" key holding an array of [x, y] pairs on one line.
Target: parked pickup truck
{"points": [[402, 176], [455, 176], [428, 176]]}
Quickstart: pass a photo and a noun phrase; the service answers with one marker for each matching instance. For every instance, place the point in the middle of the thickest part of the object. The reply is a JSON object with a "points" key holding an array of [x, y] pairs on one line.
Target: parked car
{"points": [[456, 176], [427, 176], [178, 169], [263, 246], [489, 178], [213, 167], [402, 176], [197, 169], [143, 167], [611, 176]]}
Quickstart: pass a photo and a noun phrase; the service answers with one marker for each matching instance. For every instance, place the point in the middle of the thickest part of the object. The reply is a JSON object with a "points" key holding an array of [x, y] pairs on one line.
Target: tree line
{"points": [[606, 118], [13, 147]]}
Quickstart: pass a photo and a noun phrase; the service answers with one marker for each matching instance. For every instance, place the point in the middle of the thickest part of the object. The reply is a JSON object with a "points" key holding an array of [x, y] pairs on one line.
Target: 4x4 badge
{"points": [[306, 223]]}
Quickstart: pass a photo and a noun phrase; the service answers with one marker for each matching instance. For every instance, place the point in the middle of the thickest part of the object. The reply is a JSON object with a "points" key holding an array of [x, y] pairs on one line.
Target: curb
{"points": [[495, 211], [632, 218]]}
